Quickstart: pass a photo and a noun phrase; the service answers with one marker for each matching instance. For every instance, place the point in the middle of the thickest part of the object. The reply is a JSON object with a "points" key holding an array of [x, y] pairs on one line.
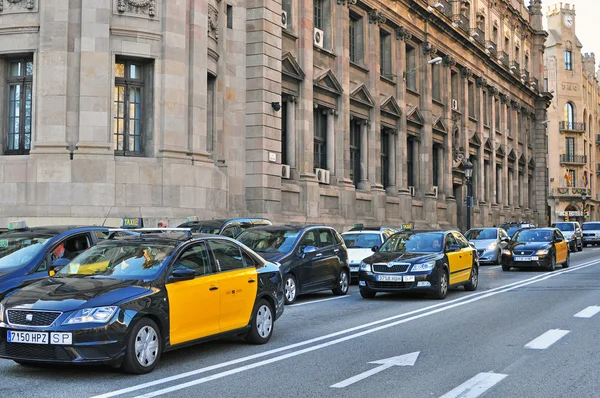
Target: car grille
{"points": [[523, 252], [390, 285], [480, 252], [395, 268], [38, 318], [44, 352]]}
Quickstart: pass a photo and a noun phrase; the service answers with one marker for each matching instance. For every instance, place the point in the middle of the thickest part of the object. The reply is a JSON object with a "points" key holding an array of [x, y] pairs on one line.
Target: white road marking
{"points": [[476, 386], [546, 339], [317, 301], [434, 309], [402, 360], [494, 267], [588, 312]]}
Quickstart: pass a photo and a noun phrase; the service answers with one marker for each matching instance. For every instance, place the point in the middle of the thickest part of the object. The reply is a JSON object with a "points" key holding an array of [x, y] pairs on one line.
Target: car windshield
{"points": [[564, 226], [426, 242], [481, 234], [362, 241], [119, 260], [532, 235], [591, 226], [269, 241], [17, 250], [512, 230]]}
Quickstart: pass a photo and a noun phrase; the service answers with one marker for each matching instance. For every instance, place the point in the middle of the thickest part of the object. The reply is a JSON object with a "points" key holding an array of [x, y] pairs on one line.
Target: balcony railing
{"points": [[573, 159], [515, 67], [491, 47], [525, 75], [571, 191], [598, 141], [478, 35], [503, 57], [447, 8], [573, 127]]}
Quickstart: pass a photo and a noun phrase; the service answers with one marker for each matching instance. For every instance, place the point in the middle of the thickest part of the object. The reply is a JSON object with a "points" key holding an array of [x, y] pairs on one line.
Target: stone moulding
{"points": [[150, 5], [135, 33], [19, 29]]}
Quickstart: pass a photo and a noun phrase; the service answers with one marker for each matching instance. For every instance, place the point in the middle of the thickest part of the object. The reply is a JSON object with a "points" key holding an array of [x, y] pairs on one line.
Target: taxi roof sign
{"points": [[359, 226], [17, 225], [192, 219], [407, 227], [132, 223]]}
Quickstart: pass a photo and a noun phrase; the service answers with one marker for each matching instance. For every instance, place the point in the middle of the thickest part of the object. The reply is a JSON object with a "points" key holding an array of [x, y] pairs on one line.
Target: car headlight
{"points": [[541, 252], [91, 315], [365, 267], [428, 266], [506, 252], [1, 313], [492, 246]]}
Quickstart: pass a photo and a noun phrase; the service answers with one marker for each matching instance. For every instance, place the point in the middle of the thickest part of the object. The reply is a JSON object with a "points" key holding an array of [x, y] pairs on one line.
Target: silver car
{"points": [[489, 243]]}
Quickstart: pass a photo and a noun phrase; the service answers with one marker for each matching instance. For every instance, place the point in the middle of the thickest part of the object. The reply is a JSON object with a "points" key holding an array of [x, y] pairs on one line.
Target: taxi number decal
{"points": [[234, 291]]}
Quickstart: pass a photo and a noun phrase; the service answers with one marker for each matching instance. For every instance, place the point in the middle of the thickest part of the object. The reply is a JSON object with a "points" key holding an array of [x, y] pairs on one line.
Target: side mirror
{"points": [[375, 249], [182, 274], [453, 248], [505, 239], [309, 249], [57, 265], [472, 245]]}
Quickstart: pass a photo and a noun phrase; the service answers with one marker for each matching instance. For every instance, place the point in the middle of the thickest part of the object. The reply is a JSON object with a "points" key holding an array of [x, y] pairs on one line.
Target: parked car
{"points": [[129, 299], [538, 247], [230, 228], [591, 233], [489, 243], [359, 242], [312, 258], [28, 254], [429, 262], [572, 232], [512, 228]]}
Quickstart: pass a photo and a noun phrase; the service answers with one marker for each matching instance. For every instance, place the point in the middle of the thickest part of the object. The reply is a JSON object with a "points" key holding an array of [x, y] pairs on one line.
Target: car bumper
{"points": [[488, 257], [354, 269], [99, 344], [542, 262], [423, 281], [592, 240]]}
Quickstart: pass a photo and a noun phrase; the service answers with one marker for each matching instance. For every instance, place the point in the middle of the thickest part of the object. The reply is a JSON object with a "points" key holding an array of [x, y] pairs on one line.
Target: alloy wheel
{"points": [[290, 289], [344, 281]]}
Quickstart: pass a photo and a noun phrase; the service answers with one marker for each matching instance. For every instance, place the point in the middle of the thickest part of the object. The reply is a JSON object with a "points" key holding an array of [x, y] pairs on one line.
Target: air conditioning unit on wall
{"points": [[412, 191], [286, 171], [323, 176], [318, 38], [284, 19]]}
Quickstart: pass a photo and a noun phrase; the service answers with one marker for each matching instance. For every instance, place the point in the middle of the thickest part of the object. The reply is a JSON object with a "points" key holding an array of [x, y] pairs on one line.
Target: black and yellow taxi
{"points": [[130, 298], [431, 262], [538, 247]]}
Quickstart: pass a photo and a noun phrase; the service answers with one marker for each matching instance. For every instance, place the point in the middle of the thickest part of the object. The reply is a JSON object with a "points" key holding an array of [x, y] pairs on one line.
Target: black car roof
{"points": [[296, 228], [165, 238], [220, 222], [55, 230]]}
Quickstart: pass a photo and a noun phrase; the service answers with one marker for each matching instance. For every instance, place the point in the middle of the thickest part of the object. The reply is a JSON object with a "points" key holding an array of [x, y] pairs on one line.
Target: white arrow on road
{"points": [[402, 360]]}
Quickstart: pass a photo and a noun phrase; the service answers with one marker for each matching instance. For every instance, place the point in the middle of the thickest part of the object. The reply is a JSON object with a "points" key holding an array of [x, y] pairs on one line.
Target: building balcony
{"points": [[490, 48], [515, 67], [478, 35], [446, 8], [535, 84], [503, 57], [570, 192], [525, 75], [573, 159], [571, 127], [464, 24]]}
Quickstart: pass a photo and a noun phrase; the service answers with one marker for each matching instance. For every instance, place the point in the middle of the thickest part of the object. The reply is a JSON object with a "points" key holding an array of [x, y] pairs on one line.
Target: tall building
{"points": [[329, 111], [573, 132]]}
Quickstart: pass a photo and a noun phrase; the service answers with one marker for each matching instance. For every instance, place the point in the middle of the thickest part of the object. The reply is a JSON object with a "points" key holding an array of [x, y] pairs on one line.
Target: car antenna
{"points": [[105, 218]]}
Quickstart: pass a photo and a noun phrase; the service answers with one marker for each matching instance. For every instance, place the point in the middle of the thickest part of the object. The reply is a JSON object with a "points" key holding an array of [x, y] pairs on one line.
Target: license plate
{"points": [[522, 258], [409, 278], [58, 338], [354, 269], [389, 278]]}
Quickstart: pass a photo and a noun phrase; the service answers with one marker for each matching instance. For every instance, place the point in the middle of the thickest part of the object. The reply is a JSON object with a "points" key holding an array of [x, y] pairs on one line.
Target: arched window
{"points": [[569, 115]]}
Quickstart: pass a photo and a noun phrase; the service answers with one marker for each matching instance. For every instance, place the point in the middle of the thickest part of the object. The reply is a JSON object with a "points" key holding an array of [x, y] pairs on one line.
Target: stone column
{"points": [[504, 129], [494, 198], [482, 177], [392, 188], [364, 156], [291, 132], [342, 121], [331, 140], [428, 51], [446, 80], [373, 79], [401, 35]]}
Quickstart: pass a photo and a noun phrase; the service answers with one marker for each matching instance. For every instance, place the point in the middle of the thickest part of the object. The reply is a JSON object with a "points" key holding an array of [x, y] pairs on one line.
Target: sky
{"points": [[586, 23]]}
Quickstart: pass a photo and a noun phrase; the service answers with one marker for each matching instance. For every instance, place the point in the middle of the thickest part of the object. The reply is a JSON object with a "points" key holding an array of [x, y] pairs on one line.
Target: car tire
{"points": [[367, 294], [471, 286], [567, 261], [552, 265], [441, 289], [147, 333], [290, 291], [505, 267], [585, 245], [580, 247], [261, 323], [342, 284]]}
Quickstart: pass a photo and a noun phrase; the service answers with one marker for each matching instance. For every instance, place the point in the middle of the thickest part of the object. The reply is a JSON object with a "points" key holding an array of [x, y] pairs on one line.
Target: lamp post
{"points": [[468, 174], [583, 199]]}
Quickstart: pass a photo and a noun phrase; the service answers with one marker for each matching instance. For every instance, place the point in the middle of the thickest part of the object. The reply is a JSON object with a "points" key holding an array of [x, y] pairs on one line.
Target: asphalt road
{"points": [[521, 334]]}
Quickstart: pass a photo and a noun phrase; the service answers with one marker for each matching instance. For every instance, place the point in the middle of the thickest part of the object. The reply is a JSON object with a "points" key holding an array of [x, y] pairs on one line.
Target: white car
{"points": [[360, 242]]}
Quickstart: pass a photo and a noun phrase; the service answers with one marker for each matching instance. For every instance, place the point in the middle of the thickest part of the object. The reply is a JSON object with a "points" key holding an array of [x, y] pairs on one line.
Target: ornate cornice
{"points": [[481, 82], [449, 61], [504, 98], [466, 73], [347, 2], [150, 5], [377, 17], [429, 48], [402, 34]]}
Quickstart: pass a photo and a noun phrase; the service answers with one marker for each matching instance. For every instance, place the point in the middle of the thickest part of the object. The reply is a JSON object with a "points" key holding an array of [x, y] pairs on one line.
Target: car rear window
{"points": [[565, 226], [362, 241], [591, 226]]}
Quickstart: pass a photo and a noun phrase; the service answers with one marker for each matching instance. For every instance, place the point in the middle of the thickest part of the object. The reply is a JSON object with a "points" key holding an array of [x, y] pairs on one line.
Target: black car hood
{"points": [[69, 293], [516, 246], [386, 257]]}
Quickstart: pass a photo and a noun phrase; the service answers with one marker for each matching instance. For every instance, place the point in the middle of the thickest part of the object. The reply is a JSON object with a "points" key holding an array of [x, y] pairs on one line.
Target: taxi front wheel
{"points": [[442, 285], [144, 346]]}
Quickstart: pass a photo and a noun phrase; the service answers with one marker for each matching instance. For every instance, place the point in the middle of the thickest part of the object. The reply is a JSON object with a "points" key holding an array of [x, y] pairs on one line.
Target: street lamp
{"points": [[468, 174], [435, 61], [584, 199]]}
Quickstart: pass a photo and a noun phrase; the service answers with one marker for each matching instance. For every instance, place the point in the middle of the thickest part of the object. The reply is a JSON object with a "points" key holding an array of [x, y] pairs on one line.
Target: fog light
{"points": [[423, 284], [362, 283]]}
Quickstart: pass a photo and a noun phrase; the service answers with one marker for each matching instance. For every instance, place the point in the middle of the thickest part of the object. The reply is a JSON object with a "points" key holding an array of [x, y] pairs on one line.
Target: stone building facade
{"points": [[574, 128], [330, 111]]}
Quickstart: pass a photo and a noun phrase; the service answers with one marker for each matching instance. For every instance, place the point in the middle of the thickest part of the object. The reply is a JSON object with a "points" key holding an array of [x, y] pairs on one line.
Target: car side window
{"points": [[325, 238], [227, 255], [71, 247], [195, 258], [250, 260], [450, 241], [558, 235], [462, 242], [231, 231], [338, 239], [309, 239]]}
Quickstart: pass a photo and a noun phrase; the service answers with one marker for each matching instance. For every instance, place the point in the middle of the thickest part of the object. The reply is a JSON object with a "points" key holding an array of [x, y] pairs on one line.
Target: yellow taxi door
{"points": [[466, 257], [194, 305], [562, 247], [453, 253], [238, 284]]}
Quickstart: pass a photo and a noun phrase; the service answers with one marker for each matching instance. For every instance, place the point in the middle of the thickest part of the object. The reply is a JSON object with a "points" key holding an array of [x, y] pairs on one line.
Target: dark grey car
{"points": [[572, 232]]}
